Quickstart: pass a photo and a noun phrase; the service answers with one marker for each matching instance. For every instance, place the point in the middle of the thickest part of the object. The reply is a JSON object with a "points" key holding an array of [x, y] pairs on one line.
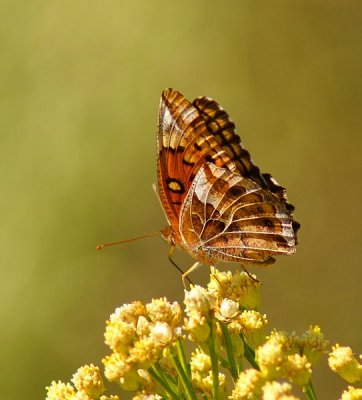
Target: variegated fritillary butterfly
{"points": [[219, 206]]}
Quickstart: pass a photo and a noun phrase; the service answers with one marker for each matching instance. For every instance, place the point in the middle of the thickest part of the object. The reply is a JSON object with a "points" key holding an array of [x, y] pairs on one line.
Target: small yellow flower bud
{"points": [[145, 352], [270, 357], [342, 361], [198, 328], [239, 287], [129, 312], [248, 386], [352, 393], [228, 310], [200, 362], [160, 310], [297, 369], [161, 333], [312, 343], [197, 302], [278, 391], [118, 370], [143, 326], [60, 391], [88, 379], [119, 335], [253, 326]]}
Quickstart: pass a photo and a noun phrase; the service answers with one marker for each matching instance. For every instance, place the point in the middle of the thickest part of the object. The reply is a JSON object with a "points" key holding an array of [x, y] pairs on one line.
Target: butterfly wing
{"points": [[222, 127], [184, 144], [230, 218]]}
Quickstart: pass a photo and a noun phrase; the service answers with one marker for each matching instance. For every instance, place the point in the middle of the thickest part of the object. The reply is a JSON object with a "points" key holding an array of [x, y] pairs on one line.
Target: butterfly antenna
{"points": [[100, 246]]}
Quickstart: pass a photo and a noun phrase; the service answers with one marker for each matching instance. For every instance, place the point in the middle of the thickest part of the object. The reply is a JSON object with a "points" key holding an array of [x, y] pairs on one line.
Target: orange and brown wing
{"points": [[226, 217], [220, 125], [184, 144]]}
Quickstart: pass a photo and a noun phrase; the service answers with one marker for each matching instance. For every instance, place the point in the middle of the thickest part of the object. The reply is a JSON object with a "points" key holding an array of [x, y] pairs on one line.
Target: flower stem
{"points": [[182, 357], [229, 351], [309, 391], [214, 361], [158, 377], [250, 354], [186, 382]]}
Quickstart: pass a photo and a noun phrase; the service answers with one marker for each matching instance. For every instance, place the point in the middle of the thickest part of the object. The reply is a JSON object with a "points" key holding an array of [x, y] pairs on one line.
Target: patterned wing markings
{"points": [[219, 205], [221, 126], [184, 144], [252, 225]]}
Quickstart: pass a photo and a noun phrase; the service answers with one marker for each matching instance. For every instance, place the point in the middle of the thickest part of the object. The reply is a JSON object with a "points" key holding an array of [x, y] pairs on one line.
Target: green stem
{"points": [[309, 391], [229, 351], [250, 354], [186, 382], [214, 361], [162, 381], [182, 357]]}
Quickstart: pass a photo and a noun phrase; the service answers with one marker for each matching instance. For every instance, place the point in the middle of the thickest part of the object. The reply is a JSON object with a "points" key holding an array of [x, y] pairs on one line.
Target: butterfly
{"points": [[218, 204]]}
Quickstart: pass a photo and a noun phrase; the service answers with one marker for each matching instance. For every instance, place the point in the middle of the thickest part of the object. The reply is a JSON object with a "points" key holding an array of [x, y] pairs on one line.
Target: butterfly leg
{"points": [[170, 253], [184, 275], [249, 274]]}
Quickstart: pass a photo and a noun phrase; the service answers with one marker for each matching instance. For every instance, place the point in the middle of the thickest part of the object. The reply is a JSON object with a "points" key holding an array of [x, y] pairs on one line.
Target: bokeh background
{"points": [[80, 86]]}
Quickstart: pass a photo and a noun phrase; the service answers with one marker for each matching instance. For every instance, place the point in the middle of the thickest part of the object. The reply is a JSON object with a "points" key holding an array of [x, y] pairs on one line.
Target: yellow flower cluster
{"points": [[352, 393], [290, 356], [88, 385], [202, 377], [240, 287], [137, 334], [148, 357]]}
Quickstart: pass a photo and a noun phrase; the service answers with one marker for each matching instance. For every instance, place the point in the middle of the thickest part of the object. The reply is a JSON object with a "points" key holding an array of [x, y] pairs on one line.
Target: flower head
{"points": [[252, 324], [227, 310], [240, 287], [197, 302], [352, 393], [88, 379], [129, 312], [278, 391], [160, 310], [248, 385], [60, 391], [270, 356], [312, 343], [342, 361], [297, 369]]}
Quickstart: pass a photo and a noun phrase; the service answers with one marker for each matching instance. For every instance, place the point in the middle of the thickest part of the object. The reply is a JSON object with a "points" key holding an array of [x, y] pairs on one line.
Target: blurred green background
{"points": [[80, 86]]}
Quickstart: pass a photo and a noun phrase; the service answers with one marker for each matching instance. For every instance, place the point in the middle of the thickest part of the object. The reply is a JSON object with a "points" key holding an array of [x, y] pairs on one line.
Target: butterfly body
{"points": [[219, 206]]}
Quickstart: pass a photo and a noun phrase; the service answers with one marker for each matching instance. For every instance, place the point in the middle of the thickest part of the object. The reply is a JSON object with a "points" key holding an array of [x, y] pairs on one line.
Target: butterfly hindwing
{"points": [[227, 217]]}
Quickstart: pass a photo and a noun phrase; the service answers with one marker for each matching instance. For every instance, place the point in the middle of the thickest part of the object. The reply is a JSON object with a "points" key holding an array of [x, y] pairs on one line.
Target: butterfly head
{"points": [[169, 235]]}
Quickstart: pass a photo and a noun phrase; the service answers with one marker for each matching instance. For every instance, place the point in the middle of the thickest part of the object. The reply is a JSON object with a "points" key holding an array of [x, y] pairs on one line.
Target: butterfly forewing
{"points": [[223, 129], [184, 144]]}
